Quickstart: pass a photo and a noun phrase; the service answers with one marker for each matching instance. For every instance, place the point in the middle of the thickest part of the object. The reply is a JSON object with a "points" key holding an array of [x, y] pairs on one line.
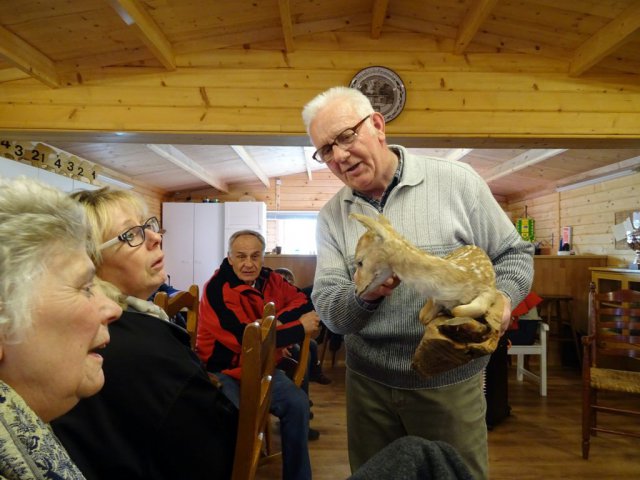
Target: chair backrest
{"points": [[258, 365], [187, 299], [614, 323], [303, 361]]}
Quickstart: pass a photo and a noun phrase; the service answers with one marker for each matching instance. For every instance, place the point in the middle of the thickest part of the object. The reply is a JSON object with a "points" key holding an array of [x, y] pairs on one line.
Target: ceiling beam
{"points": [[456, 154], [473, 19], [175, 156], [632, 163], [378, 15], [134, 15], [606, 40], [250, 162], [287, 25], [31, 61], [527, 159]]}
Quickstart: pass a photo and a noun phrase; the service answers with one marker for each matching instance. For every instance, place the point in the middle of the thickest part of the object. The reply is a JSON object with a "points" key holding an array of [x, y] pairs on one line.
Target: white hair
{"points": [[252, 233], [37, 222], [351, 96]]}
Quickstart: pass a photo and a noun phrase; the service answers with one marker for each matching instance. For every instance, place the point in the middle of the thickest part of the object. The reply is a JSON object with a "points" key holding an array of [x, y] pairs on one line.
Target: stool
{"points": [[557, 310]]}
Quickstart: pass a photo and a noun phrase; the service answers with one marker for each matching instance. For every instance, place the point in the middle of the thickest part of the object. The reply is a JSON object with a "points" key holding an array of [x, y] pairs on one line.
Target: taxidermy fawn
{"points": [[462, 301]]}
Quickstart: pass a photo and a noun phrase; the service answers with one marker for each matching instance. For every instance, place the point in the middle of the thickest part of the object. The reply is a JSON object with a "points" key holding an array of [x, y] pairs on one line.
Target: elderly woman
{"points": [[53, 326], [158, 416]]}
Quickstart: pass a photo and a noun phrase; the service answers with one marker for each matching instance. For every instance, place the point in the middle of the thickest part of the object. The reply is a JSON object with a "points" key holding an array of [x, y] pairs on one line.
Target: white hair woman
{"points": [[53, 326], [158, 401]]}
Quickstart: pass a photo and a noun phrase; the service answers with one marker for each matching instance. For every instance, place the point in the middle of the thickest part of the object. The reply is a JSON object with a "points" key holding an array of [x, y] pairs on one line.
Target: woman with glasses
{"points": [[158, 416], [53, 326]]}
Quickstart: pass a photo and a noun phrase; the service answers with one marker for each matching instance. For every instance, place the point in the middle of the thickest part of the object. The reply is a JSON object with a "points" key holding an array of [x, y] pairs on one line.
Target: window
{"points": [[295, 232]]}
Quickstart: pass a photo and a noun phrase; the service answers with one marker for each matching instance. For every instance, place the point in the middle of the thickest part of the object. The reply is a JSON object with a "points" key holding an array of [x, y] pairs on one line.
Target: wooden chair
{"points": [[298, 378], [611, 358], [189, 300], [258, 365]]}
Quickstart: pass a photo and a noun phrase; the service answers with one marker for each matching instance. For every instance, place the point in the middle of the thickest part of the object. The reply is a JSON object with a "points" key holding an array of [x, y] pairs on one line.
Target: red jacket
{"points": [[228, 305]]}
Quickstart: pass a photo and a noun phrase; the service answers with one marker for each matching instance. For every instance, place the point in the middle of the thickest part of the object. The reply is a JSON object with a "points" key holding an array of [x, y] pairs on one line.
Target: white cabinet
{"points": [[244, 216], [208, 245], [193, 242]]}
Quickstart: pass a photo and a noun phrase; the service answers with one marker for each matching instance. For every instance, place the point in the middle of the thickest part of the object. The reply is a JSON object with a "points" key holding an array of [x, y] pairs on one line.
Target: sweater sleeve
{"points": [[512, 257], [333, 288]]}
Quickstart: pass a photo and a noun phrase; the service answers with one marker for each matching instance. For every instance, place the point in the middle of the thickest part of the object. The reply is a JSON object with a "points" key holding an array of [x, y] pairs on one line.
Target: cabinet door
{"points": [[208, 244], [244, 216], [178, 221]]}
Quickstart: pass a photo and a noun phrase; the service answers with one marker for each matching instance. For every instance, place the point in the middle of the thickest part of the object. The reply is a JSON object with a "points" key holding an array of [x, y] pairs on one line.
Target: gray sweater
{"points": [[439, 205]]}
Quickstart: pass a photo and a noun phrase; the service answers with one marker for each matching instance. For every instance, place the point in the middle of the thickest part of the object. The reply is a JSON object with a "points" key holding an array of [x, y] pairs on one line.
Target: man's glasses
{"points": [[135, 235], [344, 140]]}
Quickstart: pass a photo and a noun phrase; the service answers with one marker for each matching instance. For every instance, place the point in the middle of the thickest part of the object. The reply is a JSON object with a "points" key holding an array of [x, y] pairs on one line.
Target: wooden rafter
{"points": [[134, 15], [306, 153], [31, 61], [456, 154], [474, 18], [632, 163], [178, 158], [528, 158], [378, 14], [608, 39], [250, 162], [287, 24]]}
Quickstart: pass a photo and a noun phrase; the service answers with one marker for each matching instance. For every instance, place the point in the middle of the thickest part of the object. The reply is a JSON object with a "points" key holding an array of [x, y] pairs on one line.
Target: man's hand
{"points": [[506, 314], [383, 290], [310, 321]]}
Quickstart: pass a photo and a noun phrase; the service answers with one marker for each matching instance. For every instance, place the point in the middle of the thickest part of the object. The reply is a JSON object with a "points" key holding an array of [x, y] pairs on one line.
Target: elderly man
{"points": [[233, 298], [438, 205]]}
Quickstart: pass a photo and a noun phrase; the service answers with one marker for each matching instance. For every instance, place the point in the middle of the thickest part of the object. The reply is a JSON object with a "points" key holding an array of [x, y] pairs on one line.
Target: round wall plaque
{"points": [[384, 88]]}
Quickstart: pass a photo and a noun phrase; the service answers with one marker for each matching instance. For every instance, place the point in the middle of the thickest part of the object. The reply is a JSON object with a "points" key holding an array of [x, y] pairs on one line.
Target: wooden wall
{"points": [[475, 98], [590, 211]]}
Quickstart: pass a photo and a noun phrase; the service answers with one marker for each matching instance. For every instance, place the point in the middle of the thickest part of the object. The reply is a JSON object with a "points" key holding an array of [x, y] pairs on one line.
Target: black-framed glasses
{"points": [[135, 235], [344, 140]]}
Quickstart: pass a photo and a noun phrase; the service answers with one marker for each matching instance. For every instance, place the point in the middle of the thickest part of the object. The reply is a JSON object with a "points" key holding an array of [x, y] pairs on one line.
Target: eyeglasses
{"points": [[135, 235], [344, 140]]}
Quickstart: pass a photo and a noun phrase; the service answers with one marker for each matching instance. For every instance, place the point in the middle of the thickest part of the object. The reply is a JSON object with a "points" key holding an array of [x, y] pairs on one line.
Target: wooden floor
{"points": [[541, 438]]}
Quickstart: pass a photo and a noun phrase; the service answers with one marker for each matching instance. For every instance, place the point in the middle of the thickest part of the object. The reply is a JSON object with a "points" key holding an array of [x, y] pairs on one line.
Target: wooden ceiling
{"points": [[70, 45]]}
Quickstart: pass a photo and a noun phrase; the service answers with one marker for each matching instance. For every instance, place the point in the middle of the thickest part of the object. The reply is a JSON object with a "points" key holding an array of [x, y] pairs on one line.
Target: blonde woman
{"points": [[158, 401]]}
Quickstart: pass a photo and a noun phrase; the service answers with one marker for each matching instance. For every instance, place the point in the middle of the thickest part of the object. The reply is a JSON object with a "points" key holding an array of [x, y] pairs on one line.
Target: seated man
{"points": [[234, 297]]}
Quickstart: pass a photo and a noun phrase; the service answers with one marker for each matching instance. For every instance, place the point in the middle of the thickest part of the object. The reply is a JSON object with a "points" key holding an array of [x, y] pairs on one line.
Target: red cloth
{"points": [[531, 300]]}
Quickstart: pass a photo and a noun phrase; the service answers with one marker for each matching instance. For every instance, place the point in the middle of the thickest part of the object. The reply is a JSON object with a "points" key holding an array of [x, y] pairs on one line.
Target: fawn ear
{"points": [[384, 220], [372, 225]]}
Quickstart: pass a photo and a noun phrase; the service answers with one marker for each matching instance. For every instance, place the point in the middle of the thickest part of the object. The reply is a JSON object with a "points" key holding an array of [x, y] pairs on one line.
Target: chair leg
{"points": [[543, 373], [324, 347], [587, 416], [519, 367]]}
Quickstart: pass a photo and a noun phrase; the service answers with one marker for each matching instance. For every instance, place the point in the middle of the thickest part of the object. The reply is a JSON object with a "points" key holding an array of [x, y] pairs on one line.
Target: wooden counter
{"points": [[567, 275], [302, 266], [611, 278]]}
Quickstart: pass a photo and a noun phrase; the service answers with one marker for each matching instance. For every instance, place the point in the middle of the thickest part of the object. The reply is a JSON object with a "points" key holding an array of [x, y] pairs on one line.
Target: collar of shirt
{"points": [[379, 204]]}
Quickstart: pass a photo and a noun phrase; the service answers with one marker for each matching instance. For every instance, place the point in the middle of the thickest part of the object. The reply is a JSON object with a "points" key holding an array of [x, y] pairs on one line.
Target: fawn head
{"points": [[372, 258]]}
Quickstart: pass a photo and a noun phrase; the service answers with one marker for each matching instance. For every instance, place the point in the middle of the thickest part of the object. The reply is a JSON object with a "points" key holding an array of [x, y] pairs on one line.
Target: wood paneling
{"points": [[302, 266]]}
